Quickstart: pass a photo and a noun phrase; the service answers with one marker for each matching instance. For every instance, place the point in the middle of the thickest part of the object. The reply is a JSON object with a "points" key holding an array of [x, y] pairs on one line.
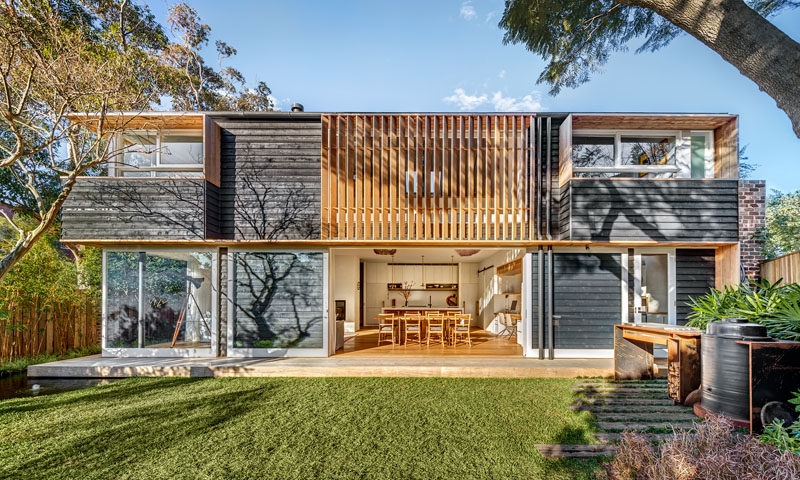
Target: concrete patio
{"points": [[96, 366]]}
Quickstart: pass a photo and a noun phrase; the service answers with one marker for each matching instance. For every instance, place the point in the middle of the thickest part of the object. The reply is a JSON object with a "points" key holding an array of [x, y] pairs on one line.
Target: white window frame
{"points": [[150, 352], [240, 352], [117, 168], [682, 152]]}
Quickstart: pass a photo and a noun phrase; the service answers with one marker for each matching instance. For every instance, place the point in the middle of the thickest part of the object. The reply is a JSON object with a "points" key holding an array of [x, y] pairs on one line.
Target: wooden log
{"points": [[575, 451], [633, 359]]}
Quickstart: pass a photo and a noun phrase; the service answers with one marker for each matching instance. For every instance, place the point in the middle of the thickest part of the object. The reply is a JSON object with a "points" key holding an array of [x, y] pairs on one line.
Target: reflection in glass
{"points": [[140, 150], [174, 292], [592, 151], [278, 300], [649, 151], [181, 150]]}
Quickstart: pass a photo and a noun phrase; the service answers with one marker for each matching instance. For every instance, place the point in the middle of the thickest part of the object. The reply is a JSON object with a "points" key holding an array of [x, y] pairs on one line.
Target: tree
{"points": [[58, 60], [197, 86], [577, 37], [782, 232]]}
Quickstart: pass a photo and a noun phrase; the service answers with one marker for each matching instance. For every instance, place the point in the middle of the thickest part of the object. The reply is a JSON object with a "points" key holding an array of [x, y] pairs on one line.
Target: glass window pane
{"points": [[181, 149], [698, 156], [139, 149], [136, 173], [278, 300], [122, 299], [178, 299], [592, 151], [648, 150], [190, 174]]}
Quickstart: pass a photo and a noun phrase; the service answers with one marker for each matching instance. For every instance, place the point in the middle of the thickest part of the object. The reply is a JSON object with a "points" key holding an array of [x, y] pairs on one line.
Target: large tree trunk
{"points": [[746, 40], [28, 239]]}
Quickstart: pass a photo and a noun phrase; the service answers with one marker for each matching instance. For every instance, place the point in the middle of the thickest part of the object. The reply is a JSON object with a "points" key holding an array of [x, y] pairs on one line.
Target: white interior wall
{"points": [[345, 287]]}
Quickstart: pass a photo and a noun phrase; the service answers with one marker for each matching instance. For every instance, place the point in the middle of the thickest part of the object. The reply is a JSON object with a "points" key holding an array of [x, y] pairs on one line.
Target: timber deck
{"points": [[408, 365]]}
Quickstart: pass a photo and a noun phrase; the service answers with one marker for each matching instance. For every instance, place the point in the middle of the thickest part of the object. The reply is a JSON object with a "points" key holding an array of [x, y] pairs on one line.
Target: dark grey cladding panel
{"points": [[270, 178], [662, 210], [135, 209], [694, 277], [587, 296]]}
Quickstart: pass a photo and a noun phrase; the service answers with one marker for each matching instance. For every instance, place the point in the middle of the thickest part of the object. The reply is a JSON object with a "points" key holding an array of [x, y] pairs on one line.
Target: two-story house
{"points": [[251, 234]]}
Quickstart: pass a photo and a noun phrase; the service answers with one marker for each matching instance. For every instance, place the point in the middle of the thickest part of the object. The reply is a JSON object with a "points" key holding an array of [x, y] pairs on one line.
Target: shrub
{"points": [[774, 305], [713, 450], [786, 438]]}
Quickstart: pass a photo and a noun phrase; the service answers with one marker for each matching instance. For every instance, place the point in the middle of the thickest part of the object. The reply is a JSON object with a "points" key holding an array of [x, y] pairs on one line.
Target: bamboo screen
{"points": [[427, 177]]}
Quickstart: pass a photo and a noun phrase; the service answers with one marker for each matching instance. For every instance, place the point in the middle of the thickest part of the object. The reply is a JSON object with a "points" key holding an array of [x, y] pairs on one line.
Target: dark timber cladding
{"points": [[135, 208], [694, 275], [427, 177], [270, 182], [587, 300], [649, 209]]}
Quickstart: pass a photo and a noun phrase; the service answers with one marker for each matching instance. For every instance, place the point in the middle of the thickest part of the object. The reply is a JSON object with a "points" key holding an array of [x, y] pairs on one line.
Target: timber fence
{"points": [[34, 327]]}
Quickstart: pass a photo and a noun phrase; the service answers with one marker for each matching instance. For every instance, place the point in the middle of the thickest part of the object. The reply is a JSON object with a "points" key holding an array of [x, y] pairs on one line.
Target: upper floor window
{"points": [[161, 154], [641, 154]]}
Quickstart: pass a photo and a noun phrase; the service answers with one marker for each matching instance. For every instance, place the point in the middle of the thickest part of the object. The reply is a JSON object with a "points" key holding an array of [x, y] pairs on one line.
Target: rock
{"points": [[693, 397]]}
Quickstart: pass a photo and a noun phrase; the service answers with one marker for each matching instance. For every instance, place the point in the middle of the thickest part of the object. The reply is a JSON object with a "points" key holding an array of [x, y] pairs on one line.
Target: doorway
{"points": [[654, 287]]}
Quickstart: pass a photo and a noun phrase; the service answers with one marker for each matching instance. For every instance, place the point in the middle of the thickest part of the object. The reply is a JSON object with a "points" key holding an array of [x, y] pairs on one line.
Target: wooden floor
{"points": [[365, 343]]}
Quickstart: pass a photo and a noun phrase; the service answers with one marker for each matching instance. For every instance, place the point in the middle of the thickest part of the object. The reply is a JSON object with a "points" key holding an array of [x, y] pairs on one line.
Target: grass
{"points": [[20, 364], [295, 428]]}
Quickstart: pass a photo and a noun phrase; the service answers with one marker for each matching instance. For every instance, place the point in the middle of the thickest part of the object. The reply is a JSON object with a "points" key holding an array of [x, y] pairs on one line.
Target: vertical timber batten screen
{"points": [[427, 177]]}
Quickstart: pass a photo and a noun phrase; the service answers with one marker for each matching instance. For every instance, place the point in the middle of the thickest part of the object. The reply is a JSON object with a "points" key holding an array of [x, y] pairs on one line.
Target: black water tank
{"points": [[725, 366]]}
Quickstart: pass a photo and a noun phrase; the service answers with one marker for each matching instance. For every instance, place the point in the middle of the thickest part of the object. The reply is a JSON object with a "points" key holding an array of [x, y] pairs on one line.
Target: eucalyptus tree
{"points": [[58, 60], [577, 37]]}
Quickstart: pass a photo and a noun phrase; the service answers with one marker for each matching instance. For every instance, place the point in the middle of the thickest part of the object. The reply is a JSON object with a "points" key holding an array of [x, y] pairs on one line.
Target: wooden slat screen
{"points": [[427, 177]]}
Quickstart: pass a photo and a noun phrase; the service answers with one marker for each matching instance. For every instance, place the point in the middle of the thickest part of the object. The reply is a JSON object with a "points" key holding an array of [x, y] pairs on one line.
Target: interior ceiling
{"points": [[414, 255]]}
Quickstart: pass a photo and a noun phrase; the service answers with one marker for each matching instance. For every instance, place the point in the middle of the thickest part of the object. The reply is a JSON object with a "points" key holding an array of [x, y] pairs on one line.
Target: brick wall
{"points": [[752, 218]]}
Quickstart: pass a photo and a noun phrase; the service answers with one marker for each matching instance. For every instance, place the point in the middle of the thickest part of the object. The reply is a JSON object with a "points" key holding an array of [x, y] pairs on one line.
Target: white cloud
{"points": [[528, 103], [502, 74], [465, 102], [467, 10], [490, 15]]}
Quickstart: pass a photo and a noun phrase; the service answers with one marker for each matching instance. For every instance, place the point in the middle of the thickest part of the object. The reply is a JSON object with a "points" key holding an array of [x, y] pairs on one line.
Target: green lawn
{"points": [[295, 428]]}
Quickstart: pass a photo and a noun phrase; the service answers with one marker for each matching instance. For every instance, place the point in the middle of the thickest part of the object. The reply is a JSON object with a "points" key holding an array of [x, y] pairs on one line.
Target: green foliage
{"points": [[18, 365], [786, 438], [577, 37], [775, 305], [47, 274], [782, 232]]}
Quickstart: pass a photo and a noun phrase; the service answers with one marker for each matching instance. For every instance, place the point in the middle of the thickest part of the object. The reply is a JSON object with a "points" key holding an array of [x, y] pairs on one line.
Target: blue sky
{"points": [[447, 55]]}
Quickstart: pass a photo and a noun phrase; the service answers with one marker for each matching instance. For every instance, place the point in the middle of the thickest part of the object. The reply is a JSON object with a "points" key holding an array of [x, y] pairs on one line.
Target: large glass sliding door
{"points": [[278, 303], [159, 303]]}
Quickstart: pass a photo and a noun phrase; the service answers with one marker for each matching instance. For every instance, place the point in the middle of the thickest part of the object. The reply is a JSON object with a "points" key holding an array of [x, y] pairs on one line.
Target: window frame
{"points": [[120, 167], [682, 152]]}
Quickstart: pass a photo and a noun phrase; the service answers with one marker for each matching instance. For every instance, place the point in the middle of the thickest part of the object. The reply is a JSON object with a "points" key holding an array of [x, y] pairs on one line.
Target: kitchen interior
{"points": [[483, 282]]}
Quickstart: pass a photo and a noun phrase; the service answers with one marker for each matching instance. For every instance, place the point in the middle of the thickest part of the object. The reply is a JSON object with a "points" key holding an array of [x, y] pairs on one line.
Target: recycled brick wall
{"points": [[752, 219]]}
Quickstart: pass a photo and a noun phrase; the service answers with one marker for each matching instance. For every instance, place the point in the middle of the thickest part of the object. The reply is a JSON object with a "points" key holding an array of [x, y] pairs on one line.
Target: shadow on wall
{"points": [[278, 300]]}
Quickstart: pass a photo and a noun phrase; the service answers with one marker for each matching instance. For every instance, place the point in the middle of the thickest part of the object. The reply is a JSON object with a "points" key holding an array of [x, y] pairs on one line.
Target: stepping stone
{"points": [[620, 382], [623, 401], [575, 451], [640, 426], [615, 388], [625, 408], [662, 416], [616, 437], [618, 394]]}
